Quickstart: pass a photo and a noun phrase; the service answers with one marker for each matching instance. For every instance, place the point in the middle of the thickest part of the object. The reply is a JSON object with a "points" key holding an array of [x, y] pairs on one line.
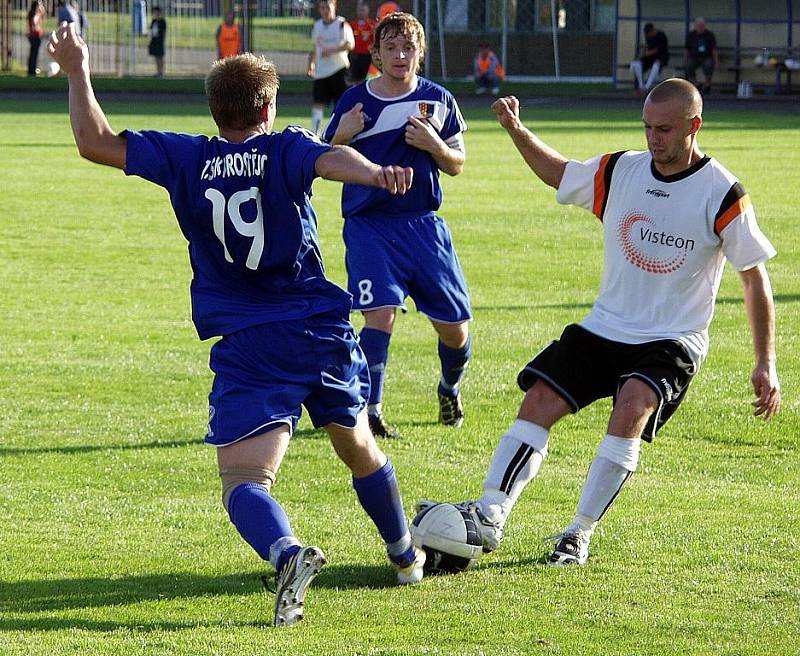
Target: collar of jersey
{"points": [[392, 98], [694, 168]]}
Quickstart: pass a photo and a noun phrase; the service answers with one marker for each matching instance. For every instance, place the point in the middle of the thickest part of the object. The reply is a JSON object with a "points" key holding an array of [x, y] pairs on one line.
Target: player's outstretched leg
{"points": [[616, 459], [247, 469], [516, 462], [376, 486]]}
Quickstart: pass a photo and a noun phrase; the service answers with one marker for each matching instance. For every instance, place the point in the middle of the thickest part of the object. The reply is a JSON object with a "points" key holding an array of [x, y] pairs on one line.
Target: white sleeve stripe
{"points": [[457, 142]]}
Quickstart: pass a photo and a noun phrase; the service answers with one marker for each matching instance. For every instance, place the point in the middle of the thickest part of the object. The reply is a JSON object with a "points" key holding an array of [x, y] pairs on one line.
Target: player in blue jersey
{"points": [[242, 203], [398, 246]]}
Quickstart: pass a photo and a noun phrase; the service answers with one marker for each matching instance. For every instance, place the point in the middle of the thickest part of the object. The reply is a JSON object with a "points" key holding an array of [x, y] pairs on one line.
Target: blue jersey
{"points": [[383, 141], [245, 211]]}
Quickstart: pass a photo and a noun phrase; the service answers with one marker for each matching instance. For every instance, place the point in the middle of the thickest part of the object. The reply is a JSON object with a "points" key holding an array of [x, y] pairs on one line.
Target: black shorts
{"points": [[328, 90], [359, 66], [583, 367]]}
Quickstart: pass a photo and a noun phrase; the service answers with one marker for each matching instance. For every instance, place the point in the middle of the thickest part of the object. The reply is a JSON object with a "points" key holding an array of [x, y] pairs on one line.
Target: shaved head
{"points": [[682, 91]]}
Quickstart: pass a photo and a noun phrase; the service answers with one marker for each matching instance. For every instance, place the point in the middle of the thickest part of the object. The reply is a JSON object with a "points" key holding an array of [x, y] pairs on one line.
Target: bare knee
{"points": [[635, 403], [382, 319], [453, 335], [542, 405], [356, 447]]}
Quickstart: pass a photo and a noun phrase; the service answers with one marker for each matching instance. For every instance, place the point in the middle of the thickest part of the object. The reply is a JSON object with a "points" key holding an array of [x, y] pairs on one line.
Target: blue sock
{"points": [[375, 344], [454, 366], [380, 497], [262, 522]]}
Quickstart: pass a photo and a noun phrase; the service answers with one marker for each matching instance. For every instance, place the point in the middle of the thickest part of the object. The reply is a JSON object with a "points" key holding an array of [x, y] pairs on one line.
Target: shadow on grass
{"points": [[305, 433], [735, 300], [53, 596]]}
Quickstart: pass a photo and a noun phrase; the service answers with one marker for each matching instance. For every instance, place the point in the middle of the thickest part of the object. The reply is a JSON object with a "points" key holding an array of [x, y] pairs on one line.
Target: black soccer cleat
{"points": [[572, 549], [379, 428], [451, 410]]}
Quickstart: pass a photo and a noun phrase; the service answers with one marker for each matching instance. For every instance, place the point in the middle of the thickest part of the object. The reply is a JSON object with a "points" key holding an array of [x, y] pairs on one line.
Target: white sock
{"points": [[375, 409], [636, 69], [316, 119], [616, 459], [654, 71], [516, 462]]}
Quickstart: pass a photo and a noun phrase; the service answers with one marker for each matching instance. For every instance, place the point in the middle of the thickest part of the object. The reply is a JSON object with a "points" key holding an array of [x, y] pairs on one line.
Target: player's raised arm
{"points": [[343, 164], [761, 313], [94, 137], [544, 161]]}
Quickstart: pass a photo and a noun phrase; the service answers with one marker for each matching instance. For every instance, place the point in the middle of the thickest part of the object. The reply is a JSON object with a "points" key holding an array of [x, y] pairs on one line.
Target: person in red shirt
{"points": [[361, 56], [35, 32]]}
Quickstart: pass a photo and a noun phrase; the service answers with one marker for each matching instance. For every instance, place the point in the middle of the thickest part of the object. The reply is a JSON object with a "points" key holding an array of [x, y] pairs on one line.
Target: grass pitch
{"points": [[113, 538]]}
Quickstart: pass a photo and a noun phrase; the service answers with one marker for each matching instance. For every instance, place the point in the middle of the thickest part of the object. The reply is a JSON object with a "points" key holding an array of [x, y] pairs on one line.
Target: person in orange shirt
{"points": [[229, 38], [388, 8], [488, 70], [361, 55]]}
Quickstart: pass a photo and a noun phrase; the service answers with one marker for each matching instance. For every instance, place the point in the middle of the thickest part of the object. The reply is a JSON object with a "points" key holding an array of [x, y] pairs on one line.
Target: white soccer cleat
{"points": [[411, 573], [292, 582], [572, 549], [491, 532]]}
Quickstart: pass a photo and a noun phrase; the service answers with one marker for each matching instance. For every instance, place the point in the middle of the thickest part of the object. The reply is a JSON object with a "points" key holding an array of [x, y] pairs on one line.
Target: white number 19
{"points": [[254, 229]]}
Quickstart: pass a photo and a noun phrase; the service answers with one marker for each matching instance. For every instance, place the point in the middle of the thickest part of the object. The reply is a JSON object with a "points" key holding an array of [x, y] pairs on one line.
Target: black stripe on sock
{"points": [[619, 489], [519, 460]]}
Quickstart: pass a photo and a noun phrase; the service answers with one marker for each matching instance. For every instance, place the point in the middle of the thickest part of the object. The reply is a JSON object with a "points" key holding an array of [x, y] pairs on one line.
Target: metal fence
{"points": [[534, 38]]}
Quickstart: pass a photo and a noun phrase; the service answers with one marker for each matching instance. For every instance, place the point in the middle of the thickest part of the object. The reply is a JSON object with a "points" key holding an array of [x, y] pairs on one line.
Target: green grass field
{"points": [[113, 538]]}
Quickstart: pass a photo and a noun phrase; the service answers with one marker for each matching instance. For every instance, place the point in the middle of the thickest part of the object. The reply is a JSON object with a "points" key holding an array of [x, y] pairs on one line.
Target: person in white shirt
{"points": [[671, 218], [328, 61]]}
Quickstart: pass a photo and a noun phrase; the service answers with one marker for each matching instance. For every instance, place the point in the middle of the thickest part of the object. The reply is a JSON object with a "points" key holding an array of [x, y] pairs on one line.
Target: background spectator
{"points": [[653, 59], [158, 30], [361, 56], [229, 38], [488, 70], [701, 52], [35, 32]]}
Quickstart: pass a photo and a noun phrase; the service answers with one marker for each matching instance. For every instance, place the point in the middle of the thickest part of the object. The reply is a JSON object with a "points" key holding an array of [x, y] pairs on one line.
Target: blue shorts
{"points": [[265, 373], [389, 259]]}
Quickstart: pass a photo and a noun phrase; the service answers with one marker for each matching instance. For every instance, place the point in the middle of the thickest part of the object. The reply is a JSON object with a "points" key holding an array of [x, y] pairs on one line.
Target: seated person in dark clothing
{"points": [[701, 52], [655, 56]]}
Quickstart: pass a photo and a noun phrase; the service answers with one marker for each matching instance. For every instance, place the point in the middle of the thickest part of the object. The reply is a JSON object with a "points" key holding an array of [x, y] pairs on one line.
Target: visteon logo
{"points": [[658, 193], [636, 229]]}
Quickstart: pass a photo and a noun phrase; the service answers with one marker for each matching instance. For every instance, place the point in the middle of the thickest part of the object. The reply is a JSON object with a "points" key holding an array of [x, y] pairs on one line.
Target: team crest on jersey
{"points": [[650, 249], [425, 109]]}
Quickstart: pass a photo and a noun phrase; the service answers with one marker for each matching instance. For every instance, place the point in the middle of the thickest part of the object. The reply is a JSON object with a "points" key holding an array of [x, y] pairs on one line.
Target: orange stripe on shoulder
{"points": [[738, 208], [600, 187]]}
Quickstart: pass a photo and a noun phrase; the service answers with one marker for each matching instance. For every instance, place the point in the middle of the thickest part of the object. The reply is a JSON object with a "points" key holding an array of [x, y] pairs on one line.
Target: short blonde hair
{"points": [[238, 87], [400, 24]]}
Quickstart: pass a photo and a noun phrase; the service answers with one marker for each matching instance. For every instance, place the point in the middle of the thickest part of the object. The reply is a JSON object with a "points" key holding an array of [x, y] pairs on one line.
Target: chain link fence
{"points": [[534, 38]]}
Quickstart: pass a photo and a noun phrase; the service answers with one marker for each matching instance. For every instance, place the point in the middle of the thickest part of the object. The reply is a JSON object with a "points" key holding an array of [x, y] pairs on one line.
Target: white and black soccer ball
{"points": [[448, 535]]}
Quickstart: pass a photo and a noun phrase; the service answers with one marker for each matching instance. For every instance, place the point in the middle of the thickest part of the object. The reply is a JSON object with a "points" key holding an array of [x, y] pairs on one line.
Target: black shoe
{"points": [[379, 428], [572, 549], [451, 410]]}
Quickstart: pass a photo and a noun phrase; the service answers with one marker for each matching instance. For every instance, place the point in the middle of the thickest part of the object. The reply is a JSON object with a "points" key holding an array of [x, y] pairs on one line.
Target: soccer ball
{"points": [[53, 69], [449, 537]]}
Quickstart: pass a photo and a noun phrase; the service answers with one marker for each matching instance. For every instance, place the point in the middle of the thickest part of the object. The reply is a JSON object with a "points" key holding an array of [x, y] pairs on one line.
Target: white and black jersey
{"points": [[666, 239]]}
